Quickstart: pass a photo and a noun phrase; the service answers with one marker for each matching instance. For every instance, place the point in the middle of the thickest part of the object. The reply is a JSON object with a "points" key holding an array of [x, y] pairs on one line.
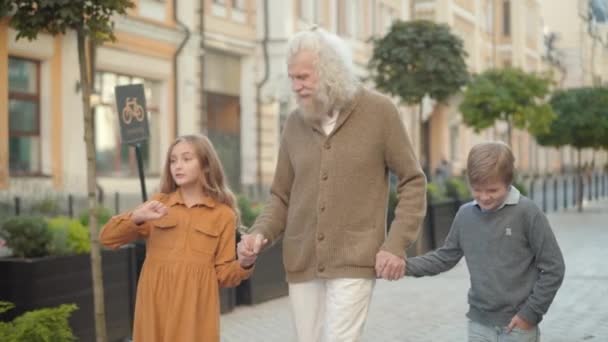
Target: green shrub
{"points": [[249, 211], [103, 216], [435, 192], [457, 188], [43, 325], [69, 236], [59, 243], [27, 236]]}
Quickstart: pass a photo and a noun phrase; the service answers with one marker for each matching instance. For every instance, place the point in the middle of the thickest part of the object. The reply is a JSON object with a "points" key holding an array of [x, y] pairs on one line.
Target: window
{"points": [[239, 4], [114, 158], [506, 18], [24, 116]]}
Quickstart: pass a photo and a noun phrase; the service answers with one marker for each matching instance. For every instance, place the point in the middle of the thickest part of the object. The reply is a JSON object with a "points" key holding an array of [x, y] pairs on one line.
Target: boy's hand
{"points": [[148, 211], [517, 322], [389, 266]]}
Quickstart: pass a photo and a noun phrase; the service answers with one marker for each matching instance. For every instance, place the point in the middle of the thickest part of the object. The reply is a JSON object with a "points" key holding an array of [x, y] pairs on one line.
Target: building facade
{"points": [[41, 135], [218, 67]]}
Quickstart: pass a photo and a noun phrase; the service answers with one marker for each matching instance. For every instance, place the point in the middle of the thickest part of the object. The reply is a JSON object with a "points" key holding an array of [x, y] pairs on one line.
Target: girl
{"points": [[190, 232]]}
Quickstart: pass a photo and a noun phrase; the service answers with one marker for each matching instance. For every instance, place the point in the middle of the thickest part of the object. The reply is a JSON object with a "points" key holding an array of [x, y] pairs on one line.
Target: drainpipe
{"points": [[259, 94], [204, 119], [177, 53]]}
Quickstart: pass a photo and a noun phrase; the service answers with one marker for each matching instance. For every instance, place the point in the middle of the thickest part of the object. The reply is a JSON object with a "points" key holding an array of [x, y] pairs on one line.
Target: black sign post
{"points": [[131, 108]]}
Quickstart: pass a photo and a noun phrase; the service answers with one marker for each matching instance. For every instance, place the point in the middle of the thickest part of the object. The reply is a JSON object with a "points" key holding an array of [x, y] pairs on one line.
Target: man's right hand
{"points": [[149, 211], [251, 244]]}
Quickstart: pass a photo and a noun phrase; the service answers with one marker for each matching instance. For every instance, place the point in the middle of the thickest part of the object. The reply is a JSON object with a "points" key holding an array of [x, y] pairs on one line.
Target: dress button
{"points": [[321, 268], [321, 237], [324, 176], [327, 146]]}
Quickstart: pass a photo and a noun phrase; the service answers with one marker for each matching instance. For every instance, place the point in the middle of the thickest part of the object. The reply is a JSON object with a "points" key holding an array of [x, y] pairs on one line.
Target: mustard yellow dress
{"points": [[190, 253]]}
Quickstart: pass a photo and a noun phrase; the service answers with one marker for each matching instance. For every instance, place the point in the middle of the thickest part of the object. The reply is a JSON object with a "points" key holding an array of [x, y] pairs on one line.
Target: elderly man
{"points": [[329, 194]]}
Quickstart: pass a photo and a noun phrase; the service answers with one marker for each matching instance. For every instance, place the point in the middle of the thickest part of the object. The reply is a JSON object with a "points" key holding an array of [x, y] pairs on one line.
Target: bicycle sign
{"points": [[131, 108]]}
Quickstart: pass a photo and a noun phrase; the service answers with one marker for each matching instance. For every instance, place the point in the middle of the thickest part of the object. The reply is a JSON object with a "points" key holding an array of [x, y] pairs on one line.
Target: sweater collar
{"points": [[511, 199]]}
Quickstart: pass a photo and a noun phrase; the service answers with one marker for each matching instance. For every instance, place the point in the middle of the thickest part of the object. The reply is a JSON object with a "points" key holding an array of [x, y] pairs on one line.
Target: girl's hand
{"points": [[148, 211], [246, 261], [249, 247]]}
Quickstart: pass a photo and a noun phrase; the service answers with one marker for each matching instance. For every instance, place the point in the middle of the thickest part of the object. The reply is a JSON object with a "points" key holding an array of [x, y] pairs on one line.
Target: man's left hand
{"points": [[520, 323], [389, 266]]}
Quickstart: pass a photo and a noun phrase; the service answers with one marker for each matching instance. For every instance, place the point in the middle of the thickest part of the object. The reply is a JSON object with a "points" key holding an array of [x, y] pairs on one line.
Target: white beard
{"points": [[314, 111]]}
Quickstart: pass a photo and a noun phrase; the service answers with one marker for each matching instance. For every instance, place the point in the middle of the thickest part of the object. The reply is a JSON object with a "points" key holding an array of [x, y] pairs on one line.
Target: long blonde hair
{"points": [[212, 179]]}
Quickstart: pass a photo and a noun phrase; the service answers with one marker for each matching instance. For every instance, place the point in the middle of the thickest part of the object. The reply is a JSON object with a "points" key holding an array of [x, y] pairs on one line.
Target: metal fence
{"points": [[61, 204], [557, 192]]}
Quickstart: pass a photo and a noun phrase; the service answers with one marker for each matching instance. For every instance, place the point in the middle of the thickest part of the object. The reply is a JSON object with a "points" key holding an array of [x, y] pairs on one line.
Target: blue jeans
{"points": [[483, 333]]}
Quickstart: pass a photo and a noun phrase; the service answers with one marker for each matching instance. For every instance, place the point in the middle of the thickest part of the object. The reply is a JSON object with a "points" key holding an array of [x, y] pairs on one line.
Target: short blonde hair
{"points": [[490, 161]]}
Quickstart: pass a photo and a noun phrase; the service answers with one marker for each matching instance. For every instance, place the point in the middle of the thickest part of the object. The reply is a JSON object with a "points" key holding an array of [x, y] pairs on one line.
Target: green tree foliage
{"points": [[91, 18], [510, 95], [581, 122], [418, 58], [581, 119]]}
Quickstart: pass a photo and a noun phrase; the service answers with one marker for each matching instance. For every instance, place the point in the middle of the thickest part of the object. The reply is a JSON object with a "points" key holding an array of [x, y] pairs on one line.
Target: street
{"points": [[433, 309]]}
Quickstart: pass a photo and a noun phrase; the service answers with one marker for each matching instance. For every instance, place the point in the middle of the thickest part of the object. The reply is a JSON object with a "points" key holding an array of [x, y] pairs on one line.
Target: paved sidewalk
{"points": [[433, 308]]}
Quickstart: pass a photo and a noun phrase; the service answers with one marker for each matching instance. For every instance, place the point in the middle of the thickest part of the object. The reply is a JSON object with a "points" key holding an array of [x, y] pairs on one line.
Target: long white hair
{"points": [[337, 79]]}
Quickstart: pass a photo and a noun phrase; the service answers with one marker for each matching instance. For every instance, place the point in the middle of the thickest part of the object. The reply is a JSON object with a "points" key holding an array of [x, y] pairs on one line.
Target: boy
{"points": [[514, 261]]}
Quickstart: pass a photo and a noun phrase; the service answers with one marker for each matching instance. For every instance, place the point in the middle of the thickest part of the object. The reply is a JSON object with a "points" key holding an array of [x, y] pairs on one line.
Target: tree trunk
{"points": [[425, 167], [579, 174], [86, 71], [509, 133]]}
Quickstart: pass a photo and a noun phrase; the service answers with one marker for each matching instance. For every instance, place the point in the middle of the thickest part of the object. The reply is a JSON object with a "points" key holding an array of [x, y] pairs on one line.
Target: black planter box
{"points": [[268, 279], [51, 281], [442, 215], [424, 241]]}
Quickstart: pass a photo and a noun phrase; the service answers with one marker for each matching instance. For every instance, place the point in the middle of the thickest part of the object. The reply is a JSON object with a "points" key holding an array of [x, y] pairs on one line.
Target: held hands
{"points": [[148, 211], [249, 247], [389, 266], [520, 323]]}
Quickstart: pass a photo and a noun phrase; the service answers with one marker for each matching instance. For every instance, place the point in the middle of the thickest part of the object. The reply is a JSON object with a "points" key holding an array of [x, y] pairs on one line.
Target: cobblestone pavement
{"points": [[433, 308]]}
